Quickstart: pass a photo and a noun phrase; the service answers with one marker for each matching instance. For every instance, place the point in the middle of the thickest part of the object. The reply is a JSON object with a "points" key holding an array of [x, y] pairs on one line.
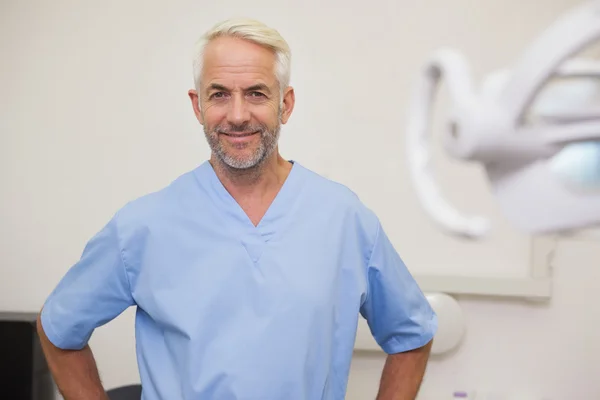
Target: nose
{"points": [[238, 110]]}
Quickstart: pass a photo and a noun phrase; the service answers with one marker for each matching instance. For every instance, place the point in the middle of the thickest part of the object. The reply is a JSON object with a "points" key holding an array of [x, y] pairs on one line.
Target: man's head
{"points": [[242, 93]]}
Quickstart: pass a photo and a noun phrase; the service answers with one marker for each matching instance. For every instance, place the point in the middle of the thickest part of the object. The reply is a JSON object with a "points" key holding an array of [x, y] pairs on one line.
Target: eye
{"points": [[217, 95], [256, 94]]}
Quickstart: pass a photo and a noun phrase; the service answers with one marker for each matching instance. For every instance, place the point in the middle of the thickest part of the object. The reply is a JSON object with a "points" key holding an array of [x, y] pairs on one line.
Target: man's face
{"points": [[240, 103]]}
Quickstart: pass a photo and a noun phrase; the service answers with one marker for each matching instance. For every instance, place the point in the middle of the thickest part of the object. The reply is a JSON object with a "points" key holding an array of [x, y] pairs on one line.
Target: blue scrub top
{"points": [[228, 310]]}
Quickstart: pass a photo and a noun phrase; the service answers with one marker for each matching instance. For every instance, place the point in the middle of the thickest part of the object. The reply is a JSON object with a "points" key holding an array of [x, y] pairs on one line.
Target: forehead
{"points": [[236, 61]]}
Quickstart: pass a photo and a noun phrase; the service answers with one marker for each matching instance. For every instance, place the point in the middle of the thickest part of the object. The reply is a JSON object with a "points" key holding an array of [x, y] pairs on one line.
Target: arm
{"points": [[401, 320], [93, 292], [403, 373], [74, 371]]}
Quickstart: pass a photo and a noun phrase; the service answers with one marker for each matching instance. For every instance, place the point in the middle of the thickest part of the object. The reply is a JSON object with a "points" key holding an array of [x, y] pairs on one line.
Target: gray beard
{"points": [[268, 144]]}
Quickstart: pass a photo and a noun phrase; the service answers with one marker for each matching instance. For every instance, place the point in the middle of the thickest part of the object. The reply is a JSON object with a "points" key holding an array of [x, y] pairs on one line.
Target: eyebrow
{"points": [[216, 86], [259, 86]]}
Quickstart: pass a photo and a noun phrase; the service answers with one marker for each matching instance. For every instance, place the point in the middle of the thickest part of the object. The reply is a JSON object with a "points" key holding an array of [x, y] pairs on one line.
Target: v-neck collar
{"points": [[277, 211]]}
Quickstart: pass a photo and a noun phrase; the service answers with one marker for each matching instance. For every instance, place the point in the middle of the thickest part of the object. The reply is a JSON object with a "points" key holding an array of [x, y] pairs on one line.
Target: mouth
{"points": [[239, 134]]}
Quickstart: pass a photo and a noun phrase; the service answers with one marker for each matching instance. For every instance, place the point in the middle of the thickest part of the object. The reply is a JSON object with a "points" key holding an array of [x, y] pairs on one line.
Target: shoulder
{"points": [[340, 198], [159, 205], [326, 186]]}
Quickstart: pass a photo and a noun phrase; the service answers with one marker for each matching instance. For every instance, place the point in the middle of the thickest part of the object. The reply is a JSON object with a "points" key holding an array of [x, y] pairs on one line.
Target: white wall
{"points": [[94, 112]]}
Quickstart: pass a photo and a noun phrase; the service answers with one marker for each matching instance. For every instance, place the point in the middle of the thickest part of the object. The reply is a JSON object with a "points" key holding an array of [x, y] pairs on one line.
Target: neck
{"points": [[253, 182]]}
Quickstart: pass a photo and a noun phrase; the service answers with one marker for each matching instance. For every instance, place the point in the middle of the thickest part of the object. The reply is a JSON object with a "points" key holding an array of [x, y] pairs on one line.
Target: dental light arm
{"points": [[453, 66], [539, 142]]}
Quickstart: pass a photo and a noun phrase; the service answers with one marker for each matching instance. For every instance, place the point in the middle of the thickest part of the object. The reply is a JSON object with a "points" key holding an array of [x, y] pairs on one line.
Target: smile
{"points": [[239, 135]]}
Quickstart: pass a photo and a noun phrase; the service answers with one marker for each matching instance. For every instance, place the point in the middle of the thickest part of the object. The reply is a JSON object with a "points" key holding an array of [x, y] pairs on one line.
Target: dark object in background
{"points": [[24, 374], [130, 392]]}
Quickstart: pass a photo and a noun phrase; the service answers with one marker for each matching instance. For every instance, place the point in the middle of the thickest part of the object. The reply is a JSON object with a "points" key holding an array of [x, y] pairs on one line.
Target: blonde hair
{"points": [[253, 31]]}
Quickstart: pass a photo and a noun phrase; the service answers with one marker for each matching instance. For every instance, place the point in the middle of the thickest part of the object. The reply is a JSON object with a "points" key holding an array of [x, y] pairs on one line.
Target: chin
{"points": [[242, 163]]}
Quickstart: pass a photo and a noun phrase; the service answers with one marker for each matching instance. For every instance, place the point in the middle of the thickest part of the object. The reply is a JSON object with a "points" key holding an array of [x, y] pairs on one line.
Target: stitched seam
{"points": [[121, 255], [368, 294]]}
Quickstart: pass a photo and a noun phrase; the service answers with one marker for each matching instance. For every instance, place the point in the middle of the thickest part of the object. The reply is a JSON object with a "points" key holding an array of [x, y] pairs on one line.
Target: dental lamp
{"points": [[534, 129]]}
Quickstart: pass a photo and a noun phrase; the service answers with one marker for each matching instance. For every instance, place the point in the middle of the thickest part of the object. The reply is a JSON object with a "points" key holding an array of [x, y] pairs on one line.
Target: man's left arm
{"points": [[401, 320], [403, 373]]}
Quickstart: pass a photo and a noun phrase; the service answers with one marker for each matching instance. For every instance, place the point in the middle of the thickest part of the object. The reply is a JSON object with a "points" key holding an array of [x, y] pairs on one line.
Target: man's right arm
{"points": [[93, 292], [74, 371]]}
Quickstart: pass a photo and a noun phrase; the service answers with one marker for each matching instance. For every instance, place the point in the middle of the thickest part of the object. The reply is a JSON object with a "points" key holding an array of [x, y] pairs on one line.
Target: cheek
{"points": [[212, 116], [267, 115]]}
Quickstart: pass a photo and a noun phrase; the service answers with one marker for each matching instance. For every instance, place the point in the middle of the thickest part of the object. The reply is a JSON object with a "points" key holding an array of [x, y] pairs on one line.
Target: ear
{"points": [[196, 105], [289, 99]]}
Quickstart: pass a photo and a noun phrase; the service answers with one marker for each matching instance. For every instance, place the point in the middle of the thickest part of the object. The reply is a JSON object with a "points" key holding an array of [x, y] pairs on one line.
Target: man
{"points": [[248, 273]]}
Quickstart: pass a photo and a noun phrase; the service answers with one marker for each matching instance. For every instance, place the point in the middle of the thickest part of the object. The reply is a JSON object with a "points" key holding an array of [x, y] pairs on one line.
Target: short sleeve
{"points": [[92, 292], [398, 313]]}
